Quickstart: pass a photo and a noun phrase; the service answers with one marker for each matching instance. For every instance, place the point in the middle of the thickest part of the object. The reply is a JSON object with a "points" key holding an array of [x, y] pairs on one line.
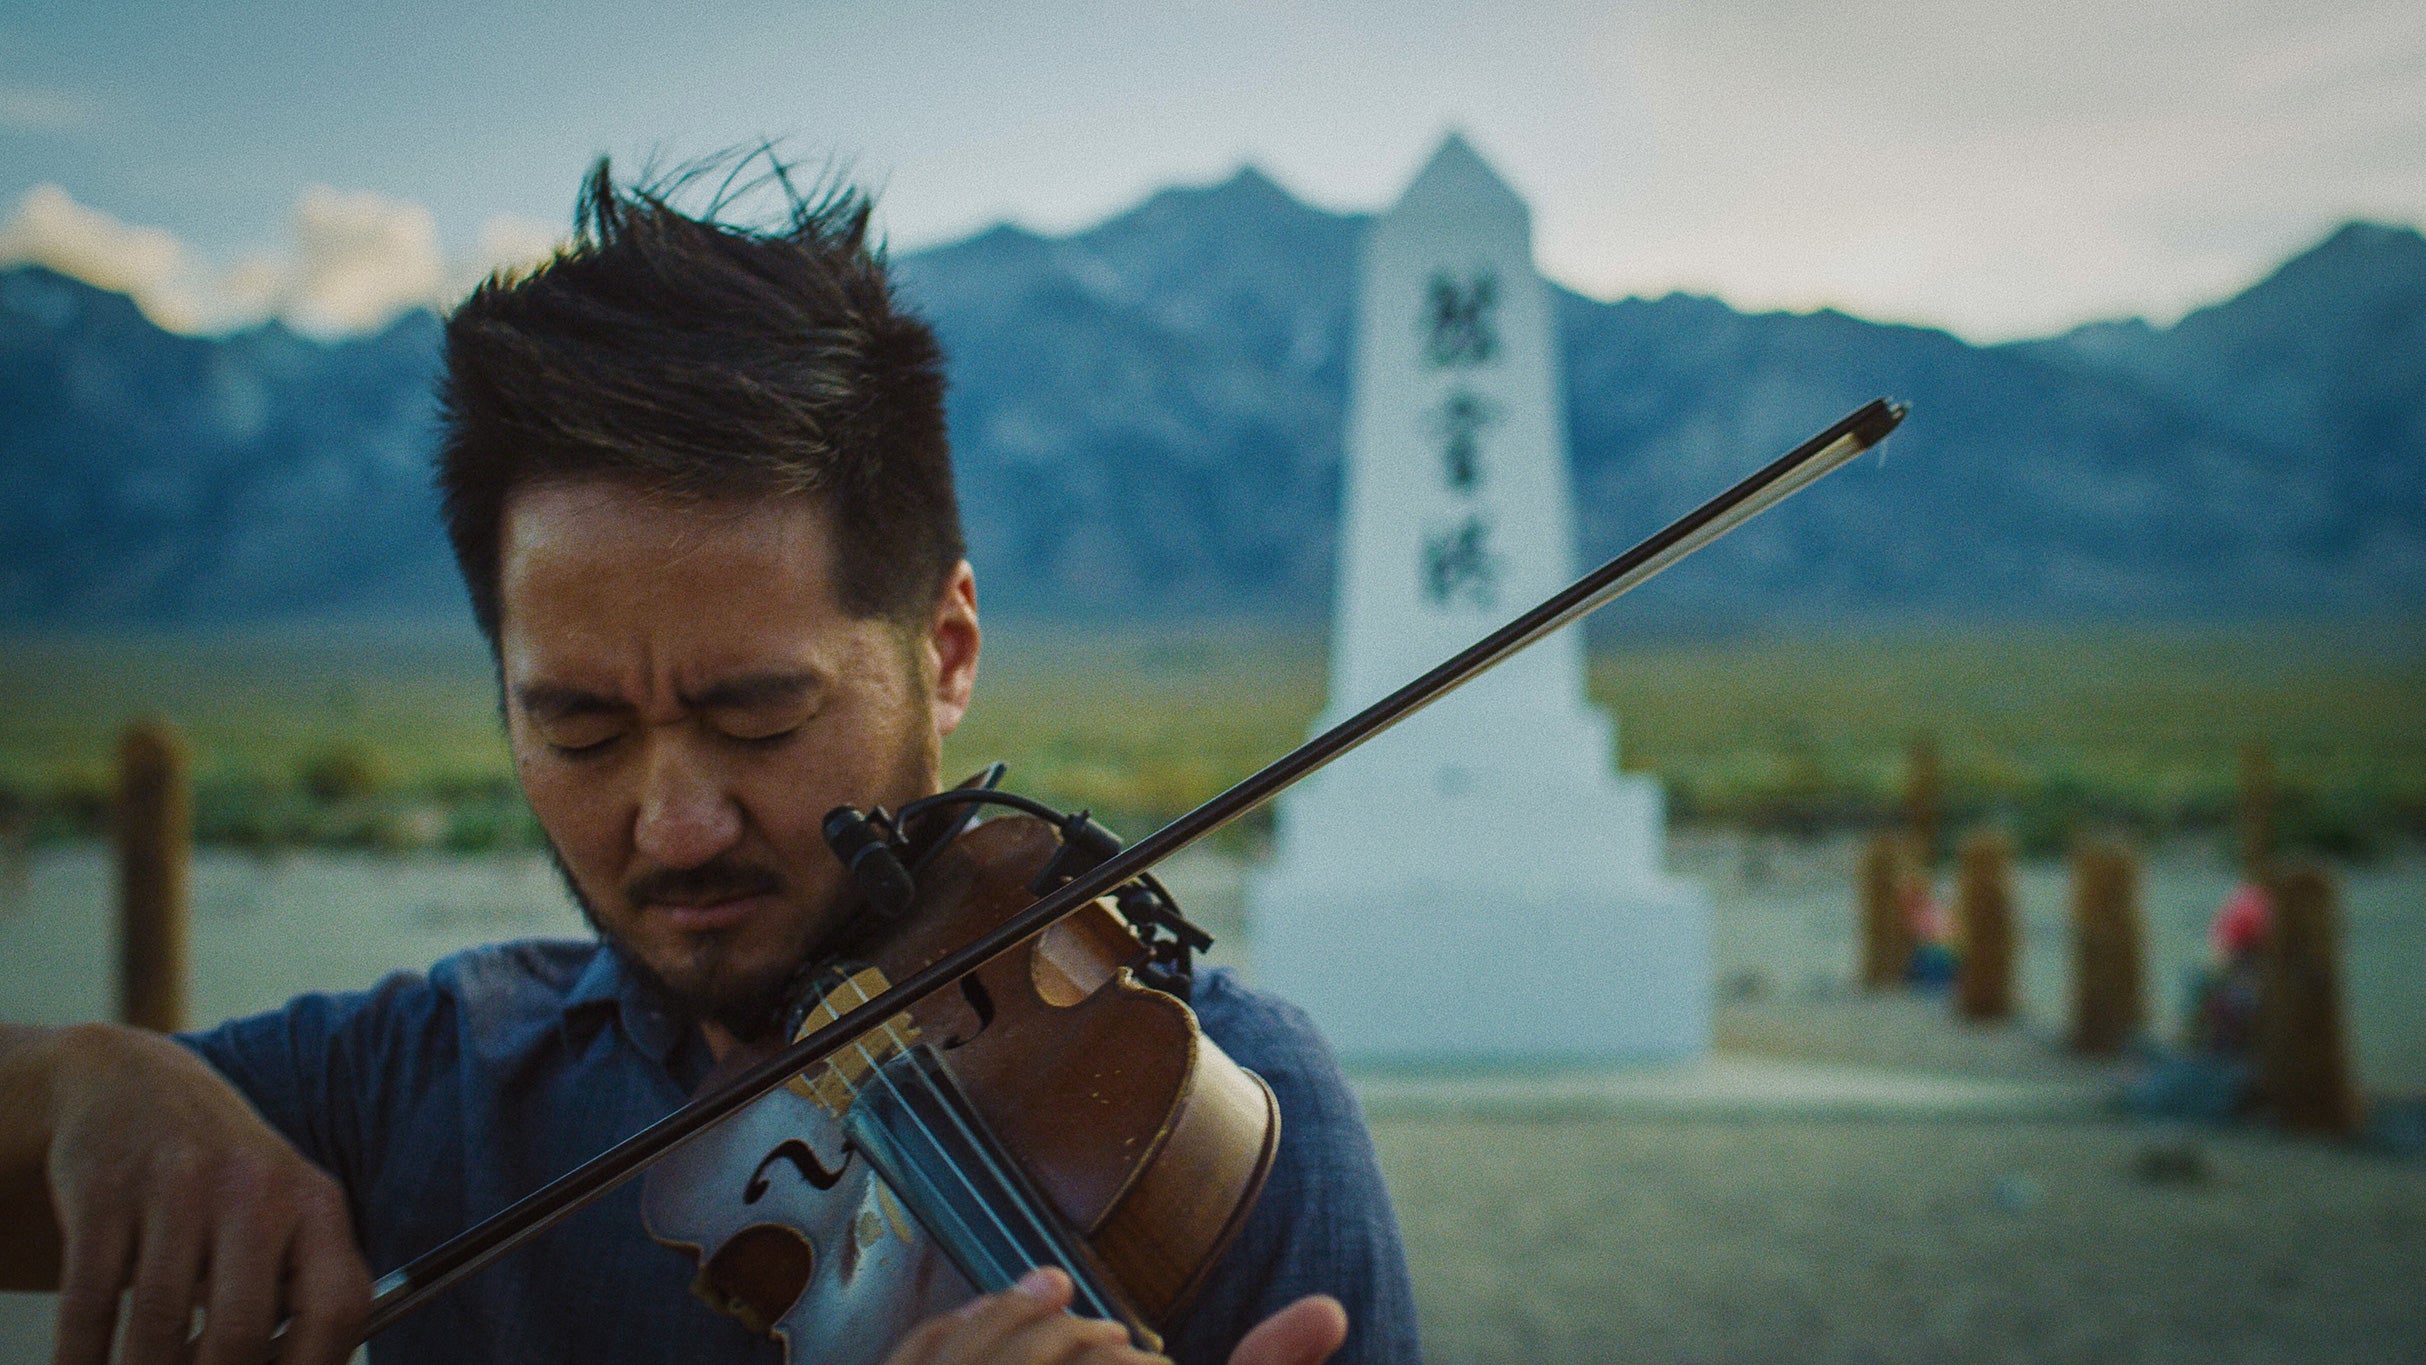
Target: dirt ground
{"points": [[1683, 1239], [1658, 1228]]}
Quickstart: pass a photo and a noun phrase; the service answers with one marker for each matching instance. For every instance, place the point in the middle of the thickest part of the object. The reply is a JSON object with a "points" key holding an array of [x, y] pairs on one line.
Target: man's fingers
{"points": [[247, 1251], [1304, 1333], [980, 1328], [165, 1181], [168, 1268], [92, 1271], [328, 1286], [1060, 1339], [1023, 1325], [920, 1345]]}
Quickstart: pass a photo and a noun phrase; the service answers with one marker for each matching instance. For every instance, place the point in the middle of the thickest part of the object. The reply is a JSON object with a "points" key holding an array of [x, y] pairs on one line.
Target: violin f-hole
{"points": [[757, 1275], [981, 1003], [804, 1160]]}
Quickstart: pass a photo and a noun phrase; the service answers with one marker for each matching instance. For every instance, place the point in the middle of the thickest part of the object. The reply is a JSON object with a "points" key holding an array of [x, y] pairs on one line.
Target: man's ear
{"points": [[951, 648]]}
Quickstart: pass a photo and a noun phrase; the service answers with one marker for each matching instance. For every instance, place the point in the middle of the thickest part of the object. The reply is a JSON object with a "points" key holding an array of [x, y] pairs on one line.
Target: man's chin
{"points": [[705, 984]]}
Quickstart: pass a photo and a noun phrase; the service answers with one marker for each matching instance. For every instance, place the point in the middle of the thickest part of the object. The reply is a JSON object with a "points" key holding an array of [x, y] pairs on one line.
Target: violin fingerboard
{"points": [[835, 1083], [920, 1133]]}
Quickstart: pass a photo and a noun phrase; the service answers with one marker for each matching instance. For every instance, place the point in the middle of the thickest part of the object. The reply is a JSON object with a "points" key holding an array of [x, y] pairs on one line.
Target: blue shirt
{"points": [[436, 1101]]}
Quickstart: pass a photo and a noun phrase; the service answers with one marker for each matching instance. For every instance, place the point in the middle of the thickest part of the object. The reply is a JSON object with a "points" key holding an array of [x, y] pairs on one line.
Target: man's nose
{"points": [[686, 816]]}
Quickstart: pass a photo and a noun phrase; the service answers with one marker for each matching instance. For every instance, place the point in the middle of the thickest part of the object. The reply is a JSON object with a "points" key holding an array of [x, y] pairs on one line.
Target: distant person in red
{"points": [[2240, 926], [2224, 1003], [1933, 961], [2212, 1077]]}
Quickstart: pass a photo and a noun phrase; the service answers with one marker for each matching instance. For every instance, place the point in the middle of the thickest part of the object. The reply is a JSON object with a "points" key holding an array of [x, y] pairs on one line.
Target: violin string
{"points": [[976, 1195], [935, 1138], [876, 1073], [1033, 1215]]}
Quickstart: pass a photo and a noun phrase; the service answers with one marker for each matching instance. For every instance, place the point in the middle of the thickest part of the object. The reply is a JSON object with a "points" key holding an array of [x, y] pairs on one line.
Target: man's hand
{"points": [[1304, 1333], [163, 1181], [1026, 1325]]}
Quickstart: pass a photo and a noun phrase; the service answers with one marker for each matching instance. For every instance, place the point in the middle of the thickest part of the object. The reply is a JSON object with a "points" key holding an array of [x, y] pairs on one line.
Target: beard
{"points": [[706, 984]]}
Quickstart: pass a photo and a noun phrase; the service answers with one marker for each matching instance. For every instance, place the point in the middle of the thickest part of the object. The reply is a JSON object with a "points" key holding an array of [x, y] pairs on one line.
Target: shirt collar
{"points": [[607, 984]]}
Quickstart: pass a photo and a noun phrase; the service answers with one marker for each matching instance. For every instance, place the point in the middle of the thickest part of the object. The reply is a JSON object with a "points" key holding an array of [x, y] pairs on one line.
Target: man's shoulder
{"points": [[496, 988], [1324, 1223], [504, 993], [541, 971], [1267, 1035]]}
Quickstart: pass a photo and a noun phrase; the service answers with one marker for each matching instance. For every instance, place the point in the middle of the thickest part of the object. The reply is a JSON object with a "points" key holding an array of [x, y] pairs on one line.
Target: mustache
{"points": [[706, 884]]}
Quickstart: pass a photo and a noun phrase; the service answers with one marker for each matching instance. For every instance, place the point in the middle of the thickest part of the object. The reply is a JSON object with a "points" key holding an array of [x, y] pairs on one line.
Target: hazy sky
{"points": [[2001, 169]]}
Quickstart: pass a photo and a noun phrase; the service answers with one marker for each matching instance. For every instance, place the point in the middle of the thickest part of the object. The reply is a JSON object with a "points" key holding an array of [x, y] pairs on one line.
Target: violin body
{"points": [[791, 1233], [1140, 1145]]}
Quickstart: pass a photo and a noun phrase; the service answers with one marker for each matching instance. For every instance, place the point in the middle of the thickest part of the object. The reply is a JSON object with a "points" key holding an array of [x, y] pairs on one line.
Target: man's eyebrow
{"points": [[557, 701], [754, 690]]}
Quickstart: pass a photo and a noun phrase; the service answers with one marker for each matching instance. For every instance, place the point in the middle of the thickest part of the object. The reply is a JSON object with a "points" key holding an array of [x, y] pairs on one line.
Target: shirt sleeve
{"points": [[316, 1067], [1324, 1224]]}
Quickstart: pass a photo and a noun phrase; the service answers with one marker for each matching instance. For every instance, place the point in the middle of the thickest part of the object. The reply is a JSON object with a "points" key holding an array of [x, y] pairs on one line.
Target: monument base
{"points": [[1431, 973]]}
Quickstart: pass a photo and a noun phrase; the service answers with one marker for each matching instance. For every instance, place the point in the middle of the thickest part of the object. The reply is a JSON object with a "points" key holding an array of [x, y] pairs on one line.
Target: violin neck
{"points": [[920, 1133]]}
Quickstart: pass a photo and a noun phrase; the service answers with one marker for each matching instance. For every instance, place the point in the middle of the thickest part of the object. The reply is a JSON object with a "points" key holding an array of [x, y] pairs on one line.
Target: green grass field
{"points": [[356, 735]]}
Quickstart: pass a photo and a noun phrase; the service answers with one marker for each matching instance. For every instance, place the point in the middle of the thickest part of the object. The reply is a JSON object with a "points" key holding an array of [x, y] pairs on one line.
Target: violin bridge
{"points": [[834, 1083]]}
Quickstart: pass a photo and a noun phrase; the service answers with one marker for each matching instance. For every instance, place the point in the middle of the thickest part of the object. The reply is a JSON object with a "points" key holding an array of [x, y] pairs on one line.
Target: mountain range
{"points": [[1147, 421]]}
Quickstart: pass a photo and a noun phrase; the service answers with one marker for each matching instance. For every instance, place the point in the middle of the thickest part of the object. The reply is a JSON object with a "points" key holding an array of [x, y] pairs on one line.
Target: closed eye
{"points": [[760, 727], [577, 736], [572, 722], [761, 711]]}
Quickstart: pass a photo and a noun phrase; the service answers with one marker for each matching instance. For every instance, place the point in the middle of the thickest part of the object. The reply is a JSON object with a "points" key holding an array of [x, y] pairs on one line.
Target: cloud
{"points": [[357, 261], [360, 260], [2007, 168], [148, 265], [507, 243]]}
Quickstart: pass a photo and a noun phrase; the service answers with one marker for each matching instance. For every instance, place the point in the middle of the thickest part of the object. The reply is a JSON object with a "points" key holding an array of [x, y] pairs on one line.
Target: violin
{"points": [[999, 1064], [1059, 1106]]}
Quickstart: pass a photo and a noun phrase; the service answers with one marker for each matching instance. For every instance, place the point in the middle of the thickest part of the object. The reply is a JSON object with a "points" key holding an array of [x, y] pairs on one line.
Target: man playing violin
{"points": [[697, 480]]}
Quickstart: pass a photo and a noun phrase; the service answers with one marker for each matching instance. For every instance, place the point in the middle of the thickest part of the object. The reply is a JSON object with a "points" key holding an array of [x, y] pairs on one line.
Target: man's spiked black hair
{"points": [[701, 359]]}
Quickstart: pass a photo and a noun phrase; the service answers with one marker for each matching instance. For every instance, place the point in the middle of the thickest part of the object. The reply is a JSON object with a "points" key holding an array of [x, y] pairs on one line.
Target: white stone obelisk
{"points": [[1478, 883]]}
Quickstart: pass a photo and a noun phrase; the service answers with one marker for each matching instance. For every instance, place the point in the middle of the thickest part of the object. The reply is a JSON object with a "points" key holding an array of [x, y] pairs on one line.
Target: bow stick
{"points": [[408, 1287]]}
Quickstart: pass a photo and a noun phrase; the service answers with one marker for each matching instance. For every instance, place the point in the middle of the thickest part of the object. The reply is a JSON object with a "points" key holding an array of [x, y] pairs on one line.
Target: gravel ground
{"points": [[1682, 1239]]}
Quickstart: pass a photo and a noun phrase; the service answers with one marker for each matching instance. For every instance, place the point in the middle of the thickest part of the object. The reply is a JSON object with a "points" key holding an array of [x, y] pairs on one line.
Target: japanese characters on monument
{"points": [[1458, 563], [1478, 882]]}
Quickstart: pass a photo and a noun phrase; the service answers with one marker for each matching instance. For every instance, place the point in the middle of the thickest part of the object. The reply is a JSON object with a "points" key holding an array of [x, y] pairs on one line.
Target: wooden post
{"points": [[2257, 823], [1983, 910], [2303, 1047], [16, 850], [1924, 802], [2109, 1006], [1886, 939], [155, 827]]}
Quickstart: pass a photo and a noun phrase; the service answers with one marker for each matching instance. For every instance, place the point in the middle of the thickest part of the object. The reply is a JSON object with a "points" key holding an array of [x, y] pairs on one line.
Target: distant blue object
{"points": [[2203, 1086], [2014, 1193], [1931, 967]]}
